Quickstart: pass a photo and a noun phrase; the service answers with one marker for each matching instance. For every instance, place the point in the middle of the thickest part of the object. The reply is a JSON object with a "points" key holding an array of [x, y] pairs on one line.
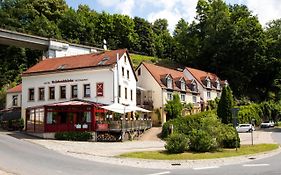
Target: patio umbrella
{"points": [[136, 108], [119, 108]]}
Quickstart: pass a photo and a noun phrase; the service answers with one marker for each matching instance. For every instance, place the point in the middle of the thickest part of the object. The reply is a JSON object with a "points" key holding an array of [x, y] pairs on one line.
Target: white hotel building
{"points": [[60, 94]]}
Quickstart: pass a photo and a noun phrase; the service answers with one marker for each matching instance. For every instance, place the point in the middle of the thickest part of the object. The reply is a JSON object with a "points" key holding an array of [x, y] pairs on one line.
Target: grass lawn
{"points": [[163, 155]]}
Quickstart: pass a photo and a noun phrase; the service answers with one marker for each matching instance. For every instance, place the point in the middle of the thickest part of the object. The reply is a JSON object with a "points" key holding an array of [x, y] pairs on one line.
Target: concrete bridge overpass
{"points": [[52, 48]]}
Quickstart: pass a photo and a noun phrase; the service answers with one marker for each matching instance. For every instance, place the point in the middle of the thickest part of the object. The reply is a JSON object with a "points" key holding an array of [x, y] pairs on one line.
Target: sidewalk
{"points": [[106, 152]]}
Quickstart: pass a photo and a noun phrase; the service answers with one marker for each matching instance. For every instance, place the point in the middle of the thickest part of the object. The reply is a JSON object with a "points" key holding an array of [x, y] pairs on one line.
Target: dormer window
{"points": [[169, 83], [193, 87], [218, 85], [182, 85], [208, 83]]}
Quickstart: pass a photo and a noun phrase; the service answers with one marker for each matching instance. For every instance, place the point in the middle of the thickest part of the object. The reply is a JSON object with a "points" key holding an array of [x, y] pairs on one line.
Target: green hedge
{"points": [[177, 143], [204, 131], [75, 136]]}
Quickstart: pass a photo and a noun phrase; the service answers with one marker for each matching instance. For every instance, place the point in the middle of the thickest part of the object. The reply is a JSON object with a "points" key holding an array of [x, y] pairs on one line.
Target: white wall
{"points": [[146, 81], [9, 99], [129, 83], [59, 49]]}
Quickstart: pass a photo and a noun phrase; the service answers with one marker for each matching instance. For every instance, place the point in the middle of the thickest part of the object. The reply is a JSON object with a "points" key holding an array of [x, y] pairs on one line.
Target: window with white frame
{"points": [[87, 90], [15, 100], [218, 85], [31, 94], [194, 99], [182, 85], [169, 83], [182, 97], [208, 83], [169, 96], [208, 94]]}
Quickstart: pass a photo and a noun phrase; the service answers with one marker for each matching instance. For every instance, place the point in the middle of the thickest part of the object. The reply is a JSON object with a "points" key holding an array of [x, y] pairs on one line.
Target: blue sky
{"points": [[173, 10]]}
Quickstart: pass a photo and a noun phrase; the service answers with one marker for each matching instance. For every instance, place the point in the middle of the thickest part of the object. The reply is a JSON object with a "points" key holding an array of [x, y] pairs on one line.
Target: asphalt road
{"points": [[24, 158]]}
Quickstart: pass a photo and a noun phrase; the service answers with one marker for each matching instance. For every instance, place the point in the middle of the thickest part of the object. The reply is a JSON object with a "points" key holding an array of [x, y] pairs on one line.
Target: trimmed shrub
{"points": [[177, 143], [229, 137], [74, 136], [202, 141]]}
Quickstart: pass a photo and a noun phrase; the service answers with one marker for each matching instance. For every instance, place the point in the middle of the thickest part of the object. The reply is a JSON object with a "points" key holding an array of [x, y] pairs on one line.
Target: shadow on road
{"points": [[270, 129], [18, 134]]}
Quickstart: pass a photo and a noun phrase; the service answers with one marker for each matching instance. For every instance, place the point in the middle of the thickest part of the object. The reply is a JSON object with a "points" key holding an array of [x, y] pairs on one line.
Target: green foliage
{"points": [[225, 105], [205, 131], [229, 137], [177, 143], [249, 112], [202, 141], [75, 136], [174, 107]]}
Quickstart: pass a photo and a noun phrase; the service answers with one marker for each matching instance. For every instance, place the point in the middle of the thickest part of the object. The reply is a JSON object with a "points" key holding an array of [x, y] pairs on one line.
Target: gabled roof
{"points": [[201, 76], [15, 89], [159, 72], [105, 58]]}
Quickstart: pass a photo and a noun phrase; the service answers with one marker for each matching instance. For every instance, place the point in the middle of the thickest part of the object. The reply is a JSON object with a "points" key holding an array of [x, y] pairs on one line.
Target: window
{"points": [[169, 96], [208, 94], [51, 93], [87, 90], [74, 91], [139, 71], [119, 91], [218, 94], [182, 97], [126, 93], [125, 59], [218, 85], [62, 92], [169, 83], [182, 85], [194, 99], [131, 94], [208, 83], [41, 94], [15, 100], [123, 72], [128, 74], [31, 94]]}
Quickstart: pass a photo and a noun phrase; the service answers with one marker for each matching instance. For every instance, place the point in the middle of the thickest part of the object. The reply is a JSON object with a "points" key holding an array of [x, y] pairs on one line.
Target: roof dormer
{"points": [[208, 82], [218, 84], [169, 82]]}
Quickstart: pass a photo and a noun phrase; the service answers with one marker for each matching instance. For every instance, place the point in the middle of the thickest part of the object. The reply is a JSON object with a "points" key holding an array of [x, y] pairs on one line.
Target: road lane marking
{"points": [[255, 165], [204, 168], [165, 172]]}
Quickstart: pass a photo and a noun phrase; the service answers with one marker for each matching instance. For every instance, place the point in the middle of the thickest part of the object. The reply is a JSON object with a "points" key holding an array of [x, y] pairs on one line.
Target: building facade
{"points": [[66, 93], [209, 84], [156, 85], [13, 97]]}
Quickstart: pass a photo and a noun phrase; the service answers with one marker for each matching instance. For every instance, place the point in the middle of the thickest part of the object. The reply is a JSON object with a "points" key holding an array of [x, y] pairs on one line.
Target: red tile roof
{"points": [[159, 72], [15, 89], [76, 62], [200, 75]]}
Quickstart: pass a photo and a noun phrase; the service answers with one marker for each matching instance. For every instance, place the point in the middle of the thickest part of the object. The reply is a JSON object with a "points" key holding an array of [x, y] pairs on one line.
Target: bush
{"points": [[75, 136], [177, 143], [229, 137], [202, 141], [249, 112]]}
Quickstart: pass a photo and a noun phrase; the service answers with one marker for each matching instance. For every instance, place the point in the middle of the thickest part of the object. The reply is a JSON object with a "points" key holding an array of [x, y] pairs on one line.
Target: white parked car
{"points": [[267, 124], [245, 128]]}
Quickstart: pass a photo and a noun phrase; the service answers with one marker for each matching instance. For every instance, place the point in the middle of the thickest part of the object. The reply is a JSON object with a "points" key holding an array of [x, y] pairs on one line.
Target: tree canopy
{"points": [[224, 39]]}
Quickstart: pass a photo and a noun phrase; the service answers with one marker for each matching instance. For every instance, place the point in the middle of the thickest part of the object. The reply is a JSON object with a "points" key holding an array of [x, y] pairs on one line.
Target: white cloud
{"points": [[173, 11], [266, 10], [121, 6]]}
